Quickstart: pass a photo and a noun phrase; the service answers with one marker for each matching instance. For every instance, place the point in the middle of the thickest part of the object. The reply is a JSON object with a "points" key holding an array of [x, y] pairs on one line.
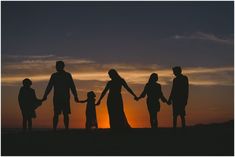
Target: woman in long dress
{"points": [[117, 118]]}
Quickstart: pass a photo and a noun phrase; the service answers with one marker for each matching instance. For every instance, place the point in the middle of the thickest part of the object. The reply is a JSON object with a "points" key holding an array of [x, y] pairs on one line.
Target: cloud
{"points": [[39, 70], [206, 37], [30, 56], [38, 63]]}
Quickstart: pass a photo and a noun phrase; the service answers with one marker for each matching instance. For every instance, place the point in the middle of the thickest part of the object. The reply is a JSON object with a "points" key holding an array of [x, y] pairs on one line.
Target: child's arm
{"points": [[82, 101], [162, 97], [143, 94], [37, 102]]}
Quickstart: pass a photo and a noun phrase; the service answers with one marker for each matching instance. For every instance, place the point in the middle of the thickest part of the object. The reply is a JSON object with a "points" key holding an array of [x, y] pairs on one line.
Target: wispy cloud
{"points": [[206, 37], [40, 69], [35, 63], [30, 56]]}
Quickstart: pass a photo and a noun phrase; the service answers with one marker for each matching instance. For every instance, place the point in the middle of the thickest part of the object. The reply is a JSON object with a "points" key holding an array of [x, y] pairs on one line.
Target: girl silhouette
{"points": [[117, 118], [154, 93], [91, 120], [28, 103]]}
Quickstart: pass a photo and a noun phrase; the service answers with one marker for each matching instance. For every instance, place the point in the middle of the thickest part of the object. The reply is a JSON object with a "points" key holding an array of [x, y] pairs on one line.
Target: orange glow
{"points": [[137, 76], [205, 105]]}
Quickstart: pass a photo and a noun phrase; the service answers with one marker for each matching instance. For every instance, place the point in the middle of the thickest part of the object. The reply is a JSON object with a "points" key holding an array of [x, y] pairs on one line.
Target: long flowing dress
{"points": [[117, 117]]}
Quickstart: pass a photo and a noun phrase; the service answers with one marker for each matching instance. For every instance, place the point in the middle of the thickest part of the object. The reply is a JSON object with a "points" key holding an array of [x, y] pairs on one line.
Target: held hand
{"points": [[164, 100], [76, 99], [44, 98], [136, 98], [98, 103], [169, 102]]}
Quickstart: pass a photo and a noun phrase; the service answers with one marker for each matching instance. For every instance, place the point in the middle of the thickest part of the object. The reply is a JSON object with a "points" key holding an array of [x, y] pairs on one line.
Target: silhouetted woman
{"points": [[153, 91], [117, 118]]}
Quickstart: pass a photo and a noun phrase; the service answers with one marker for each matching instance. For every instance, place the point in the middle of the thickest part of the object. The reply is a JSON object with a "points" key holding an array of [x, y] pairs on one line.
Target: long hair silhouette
{"points": [[113, 74]]}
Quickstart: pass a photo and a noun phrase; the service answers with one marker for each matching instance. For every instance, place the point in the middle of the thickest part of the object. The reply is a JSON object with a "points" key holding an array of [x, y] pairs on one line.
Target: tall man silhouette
{"points": [[62, 82], [179, 95]]}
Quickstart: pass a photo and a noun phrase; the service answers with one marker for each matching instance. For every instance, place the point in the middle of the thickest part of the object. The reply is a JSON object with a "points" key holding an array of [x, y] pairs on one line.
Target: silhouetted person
{"points": [[28, 103], [91, 120], [117, 118], [62, 82], [179, 95], [153, 91]]}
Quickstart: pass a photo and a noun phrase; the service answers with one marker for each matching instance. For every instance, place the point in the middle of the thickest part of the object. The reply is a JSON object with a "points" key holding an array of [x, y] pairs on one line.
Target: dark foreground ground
{"points": [[198, 140]]}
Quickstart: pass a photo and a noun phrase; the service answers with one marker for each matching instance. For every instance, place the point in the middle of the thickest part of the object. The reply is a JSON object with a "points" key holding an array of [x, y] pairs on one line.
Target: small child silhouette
{"points": [[90, 110], [28, 103]]}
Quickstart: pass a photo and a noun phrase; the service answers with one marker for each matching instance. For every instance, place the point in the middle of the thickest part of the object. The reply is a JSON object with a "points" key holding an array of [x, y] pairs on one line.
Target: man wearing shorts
{"points": [[179, 96], [62, 82]]}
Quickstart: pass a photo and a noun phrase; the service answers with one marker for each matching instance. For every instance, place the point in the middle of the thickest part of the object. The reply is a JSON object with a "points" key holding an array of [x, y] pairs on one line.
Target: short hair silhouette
{"points": [[177, 70], [27, 82], [113, 74], [91, 94], [153, 78], [62, 82], [179, 96], [60, 65]]}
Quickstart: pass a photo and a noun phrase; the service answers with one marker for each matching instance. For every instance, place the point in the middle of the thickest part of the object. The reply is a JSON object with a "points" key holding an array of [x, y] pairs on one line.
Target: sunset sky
{"points": [[136, 38]]}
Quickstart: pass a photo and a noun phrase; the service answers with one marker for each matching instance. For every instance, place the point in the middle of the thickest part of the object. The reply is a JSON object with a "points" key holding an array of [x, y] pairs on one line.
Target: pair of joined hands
{"points": [[137, 98], [165, 101]]}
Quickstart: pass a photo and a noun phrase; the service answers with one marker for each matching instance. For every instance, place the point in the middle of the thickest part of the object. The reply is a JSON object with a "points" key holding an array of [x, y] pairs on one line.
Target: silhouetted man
{"points": [[62, 82], [179, 95]]}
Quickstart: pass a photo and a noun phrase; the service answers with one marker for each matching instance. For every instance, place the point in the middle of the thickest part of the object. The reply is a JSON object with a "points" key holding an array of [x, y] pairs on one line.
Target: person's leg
{"points": [[96, 125], [87, 125], [151, 115], [55, 120], [30, 124], [174, 121], [66, 121], [156, 121], [24, 123], [183, 120], [151, 119]]}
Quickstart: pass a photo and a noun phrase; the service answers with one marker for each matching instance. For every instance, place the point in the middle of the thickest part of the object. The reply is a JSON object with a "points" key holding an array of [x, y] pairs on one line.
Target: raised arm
{"points": [[128, 88], [73, 88], [49, 87], [103, 93]]}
